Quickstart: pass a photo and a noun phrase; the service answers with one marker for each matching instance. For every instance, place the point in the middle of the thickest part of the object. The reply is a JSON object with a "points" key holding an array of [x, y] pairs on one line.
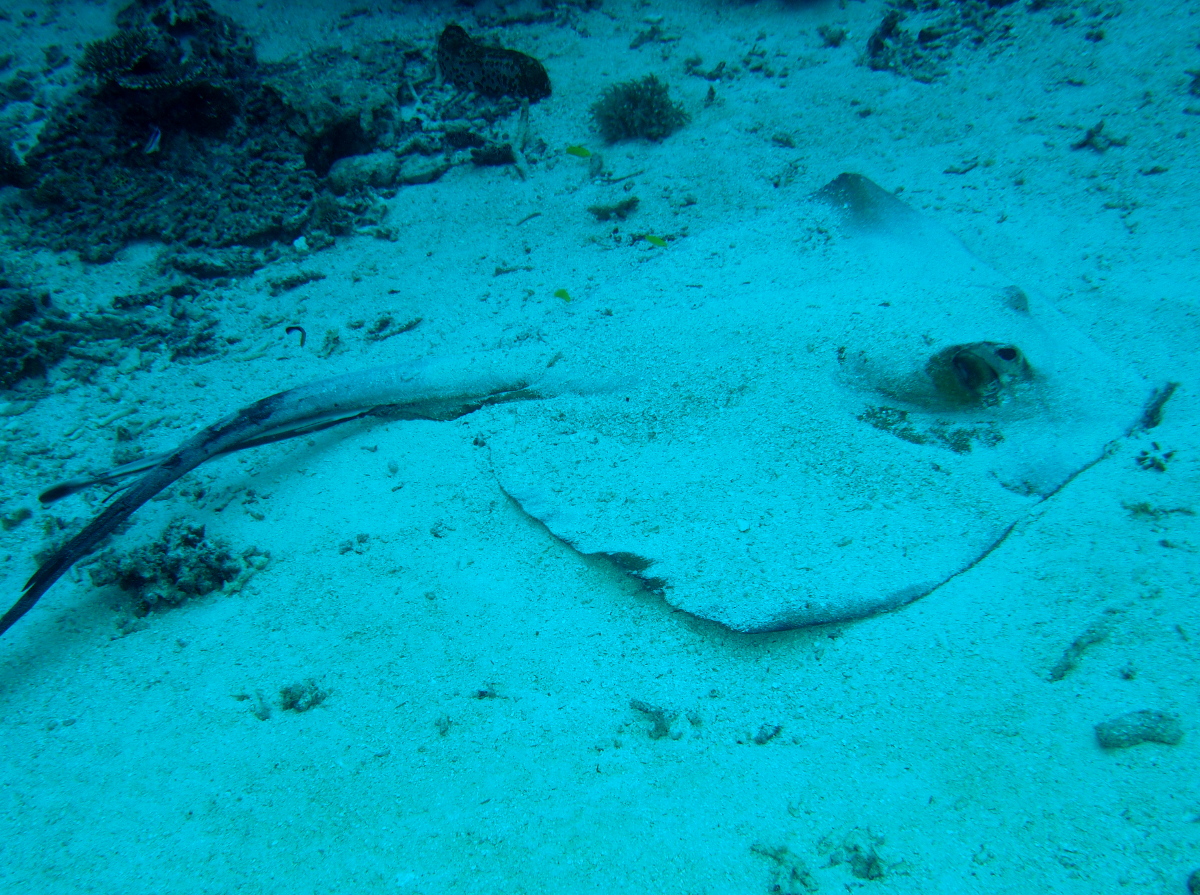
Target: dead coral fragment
{"points": [[859, 851], [661, 719], [180, 565], [790, 874], [619, 210], [917, 38], [1097, 140], [638, 109], [302, 696], [33, 335]]}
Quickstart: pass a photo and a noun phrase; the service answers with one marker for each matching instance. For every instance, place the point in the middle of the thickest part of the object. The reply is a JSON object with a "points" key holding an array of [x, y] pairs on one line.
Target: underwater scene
{"points": [[600, 446]]}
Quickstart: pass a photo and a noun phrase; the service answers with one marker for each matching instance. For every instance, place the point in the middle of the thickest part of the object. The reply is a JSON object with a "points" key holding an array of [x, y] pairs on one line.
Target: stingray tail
{"points": [[96, 531], [175, 465]]}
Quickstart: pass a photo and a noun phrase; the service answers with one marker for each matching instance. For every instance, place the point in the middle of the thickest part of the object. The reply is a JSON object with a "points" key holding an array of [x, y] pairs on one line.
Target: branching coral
{"points": [[139, 59]]}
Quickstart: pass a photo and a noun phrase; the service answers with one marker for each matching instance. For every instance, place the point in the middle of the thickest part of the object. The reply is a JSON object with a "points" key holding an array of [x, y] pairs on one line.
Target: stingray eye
{"points": [[979, 372]]}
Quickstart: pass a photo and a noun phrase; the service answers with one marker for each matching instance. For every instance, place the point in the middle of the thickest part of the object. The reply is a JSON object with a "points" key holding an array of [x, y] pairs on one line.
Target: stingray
{"points": [[822, 414], [828, 412]]}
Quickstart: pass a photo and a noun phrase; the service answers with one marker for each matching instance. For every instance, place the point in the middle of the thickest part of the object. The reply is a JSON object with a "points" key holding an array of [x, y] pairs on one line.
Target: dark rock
{"points": [[343, 104], [12, 170], [379, 169], [17, 89]]}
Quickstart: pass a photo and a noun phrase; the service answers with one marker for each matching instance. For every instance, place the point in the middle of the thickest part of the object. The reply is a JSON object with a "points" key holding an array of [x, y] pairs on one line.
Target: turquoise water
{"points": [[715, 447]]}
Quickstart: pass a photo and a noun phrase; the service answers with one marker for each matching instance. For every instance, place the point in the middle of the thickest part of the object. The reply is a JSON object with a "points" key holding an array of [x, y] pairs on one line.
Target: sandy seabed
{"points": [[500, 714]]}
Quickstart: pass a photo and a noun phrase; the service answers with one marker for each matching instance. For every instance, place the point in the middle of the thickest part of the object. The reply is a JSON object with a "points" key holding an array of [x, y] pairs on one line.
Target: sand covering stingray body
{"points": [[821, 414]]}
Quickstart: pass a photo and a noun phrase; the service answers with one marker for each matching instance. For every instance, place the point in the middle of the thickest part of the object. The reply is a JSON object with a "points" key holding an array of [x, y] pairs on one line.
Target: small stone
{"points": [[1146, 726], [743, 525], [356, 172], [766, 733], [414, 170]]}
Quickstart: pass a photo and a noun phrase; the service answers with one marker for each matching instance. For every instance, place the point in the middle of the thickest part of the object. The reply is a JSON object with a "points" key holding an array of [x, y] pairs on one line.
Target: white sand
{"points": [[131, 766]]}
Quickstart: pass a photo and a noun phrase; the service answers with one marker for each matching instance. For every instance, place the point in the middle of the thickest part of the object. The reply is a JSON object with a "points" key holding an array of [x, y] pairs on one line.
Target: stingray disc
{"points": [[827, 421]]}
